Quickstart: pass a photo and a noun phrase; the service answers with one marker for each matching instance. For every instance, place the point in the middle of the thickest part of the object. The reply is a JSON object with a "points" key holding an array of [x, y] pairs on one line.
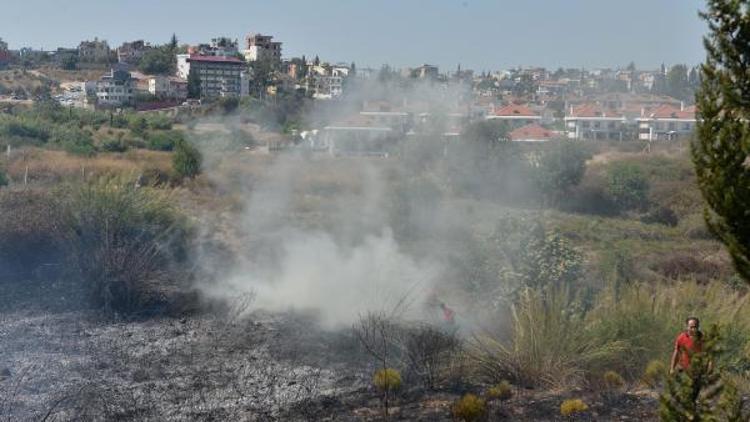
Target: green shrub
{"points": [[186, 160], [123, 242], [572, 407], [661, 215], [3, 178], [501, 391], [560, 168], [387, 379], [163, 140], [654, 373], [469, 408], [627, 185], [113, 145]]}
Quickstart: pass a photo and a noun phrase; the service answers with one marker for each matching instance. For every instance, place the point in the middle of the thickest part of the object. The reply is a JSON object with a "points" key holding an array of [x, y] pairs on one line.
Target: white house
{"points": [[666, 123]]}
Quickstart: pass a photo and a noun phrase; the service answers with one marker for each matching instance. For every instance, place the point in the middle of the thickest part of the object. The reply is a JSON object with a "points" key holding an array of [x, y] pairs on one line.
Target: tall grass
{"points": [[123, 242], [547, 343]]}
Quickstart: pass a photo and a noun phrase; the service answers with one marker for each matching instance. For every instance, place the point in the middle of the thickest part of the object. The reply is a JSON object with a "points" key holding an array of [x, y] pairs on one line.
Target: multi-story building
{"points": [[131, 52], [590, 121], [219, 76], [260, 47], [96, 51], [666, 123], [114, 89], [167, 87]]}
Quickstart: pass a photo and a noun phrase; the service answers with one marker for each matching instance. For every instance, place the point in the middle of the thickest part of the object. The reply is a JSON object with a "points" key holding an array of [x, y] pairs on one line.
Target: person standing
{"points": [[687, 344]]}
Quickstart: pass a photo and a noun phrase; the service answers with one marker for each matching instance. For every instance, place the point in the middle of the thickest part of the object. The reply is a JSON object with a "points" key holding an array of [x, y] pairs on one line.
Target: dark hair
{"points": [[692, 318]]}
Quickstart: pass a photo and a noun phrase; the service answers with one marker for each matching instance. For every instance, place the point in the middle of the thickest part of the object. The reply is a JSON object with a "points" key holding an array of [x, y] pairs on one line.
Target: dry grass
{"points": [[50, 166]]}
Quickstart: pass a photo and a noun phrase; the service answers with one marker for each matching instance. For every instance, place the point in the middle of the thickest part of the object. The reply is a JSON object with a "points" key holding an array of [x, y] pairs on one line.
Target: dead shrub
{"points": [[685, 264], [429, 353]]}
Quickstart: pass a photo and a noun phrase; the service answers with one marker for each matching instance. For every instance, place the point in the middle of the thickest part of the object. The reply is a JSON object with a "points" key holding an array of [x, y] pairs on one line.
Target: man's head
{"points": [[693, 325]]}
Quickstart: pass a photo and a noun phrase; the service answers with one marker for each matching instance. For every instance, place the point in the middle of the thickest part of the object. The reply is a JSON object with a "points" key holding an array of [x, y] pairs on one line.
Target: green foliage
{"points": [[3, 178], [73, 140], [700, 393], [654, 373], [502, 391], [560, 168], [113, 145], [573, 407], [548, 343], [186, 160], [193, 85], [387, 379], [158, 61], [122, 242], [720, 153], [628, 186], [469, 408], [163, 140]]}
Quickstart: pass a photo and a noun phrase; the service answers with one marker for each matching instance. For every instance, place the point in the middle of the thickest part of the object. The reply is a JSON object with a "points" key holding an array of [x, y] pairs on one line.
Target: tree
{"points": [[160, 60], [193, 85], [628, 186], [560, 168], [186, 160], [173, 42], [677, 82], [721, 152]]}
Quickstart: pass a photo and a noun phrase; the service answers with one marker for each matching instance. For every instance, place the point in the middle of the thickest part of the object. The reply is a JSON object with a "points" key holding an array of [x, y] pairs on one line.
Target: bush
{"points": [[387, 379], [560, 168], [469, 408], [124, 243], [502, 391], [572, 407], [429, 353], [186, 160], [3, 178], [613, 380], [628, 186], [654, 373], [163, 140], [113, 145], [29, 233], [661, 215]]}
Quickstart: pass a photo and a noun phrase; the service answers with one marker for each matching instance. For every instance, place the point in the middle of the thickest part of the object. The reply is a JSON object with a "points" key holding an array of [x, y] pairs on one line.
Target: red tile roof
{"points": [[513, 110], [669, 112], [592, 110], [214, 59], [532, 131]]}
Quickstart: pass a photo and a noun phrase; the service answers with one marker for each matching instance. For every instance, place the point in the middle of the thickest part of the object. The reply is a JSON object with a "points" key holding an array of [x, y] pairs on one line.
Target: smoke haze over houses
{"points": [[481, 35]]}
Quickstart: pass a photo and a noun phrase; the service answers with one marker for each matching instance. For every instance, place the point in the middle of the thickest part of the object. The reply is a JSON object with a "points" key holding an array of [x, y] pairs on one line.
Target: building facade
{"points": [[219, 76], [96, 51], [261, 47], [115, 89], [666, 123]]}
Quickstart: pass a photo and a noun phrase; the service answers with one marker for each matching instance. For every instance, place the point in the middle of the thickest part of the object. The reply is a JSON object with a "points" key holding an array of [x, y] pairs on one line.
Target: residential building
{"points": [[666, 123], [131, 52], [515, 115], [166, 87], [115, 89], [532, 133], [260, 47], [219, 76], [425, 71], [589, 121], [4, 54], [96, 51]]}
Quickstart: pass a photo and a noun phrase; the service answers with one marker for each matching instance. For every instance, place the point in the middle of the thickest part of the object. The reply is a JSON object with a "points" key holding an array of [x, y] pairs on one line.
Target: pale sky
{"points": [[478, 34]]}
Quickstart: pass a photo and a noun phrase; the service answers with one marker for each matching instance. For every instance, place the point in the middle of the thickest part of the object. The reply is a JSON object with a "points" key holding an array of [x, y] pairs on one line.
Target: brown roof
{"points": [[592, 110], [669, 112], [515, 110], [532, 131]]}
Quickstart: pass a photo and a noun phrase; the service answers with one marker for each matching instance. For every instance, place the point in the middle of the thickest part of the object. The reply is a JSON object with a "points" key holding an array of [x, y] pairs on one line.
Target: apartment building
{"points": [[219, 76], [166, 87], [515, 115], [115, 89], [261, 47], [96, 51], [666, 123], [590, 121], [131, 52]]}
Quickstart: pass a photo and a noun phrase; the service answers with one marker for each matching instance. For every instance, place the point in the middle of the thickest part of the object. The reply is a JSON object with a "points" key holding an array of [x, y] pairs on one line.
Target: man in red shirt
{"points": [[686, 345]]}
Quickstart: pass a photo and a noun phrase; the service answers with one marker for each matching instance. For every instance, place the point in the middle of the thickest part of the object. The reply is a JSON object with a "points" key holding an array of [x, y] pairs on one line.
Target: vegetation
{"points": [[573, 407], [628, 186], [387, 380], [469, 408], [723, 142], [186, 160], [501, 391]]}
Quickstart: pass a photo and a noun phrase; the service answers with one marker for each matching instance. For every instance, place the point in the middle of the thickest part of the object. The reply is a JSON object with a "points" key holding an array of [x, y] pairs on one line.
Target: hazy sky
{"points": [[479, 34]]}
